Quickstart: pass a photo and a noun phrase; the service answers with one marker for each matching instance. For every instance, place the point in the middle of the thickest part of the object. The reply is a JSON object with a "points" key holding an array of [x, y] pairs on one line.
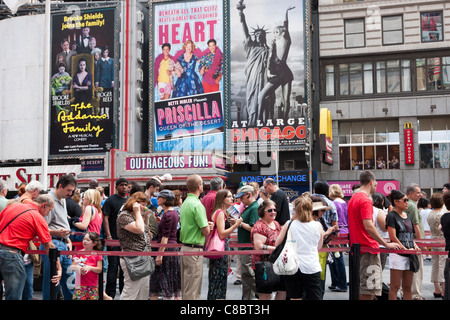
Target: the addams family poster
{"points": [[82, 81], [187, 49]]}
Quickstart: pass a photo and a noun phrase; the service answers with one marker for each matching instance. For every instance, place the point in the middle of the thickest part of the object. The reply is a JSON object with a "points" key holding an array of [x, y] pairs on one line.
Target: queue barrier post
{"points": [[53, 255], [355, 252]]}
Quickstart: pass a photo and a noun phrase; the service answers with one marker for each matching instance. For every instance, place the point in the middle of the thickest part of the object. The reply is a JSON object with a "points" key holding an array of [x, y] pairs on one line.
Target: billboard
{"points": [[268, 76], [84, 62], [186, 76]]}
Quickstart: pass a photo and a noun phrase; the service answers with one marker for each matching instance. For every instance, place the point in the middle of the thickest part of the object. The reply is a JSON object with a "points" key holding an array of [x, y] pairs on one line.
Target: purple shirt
{"points": [[341, 208]]}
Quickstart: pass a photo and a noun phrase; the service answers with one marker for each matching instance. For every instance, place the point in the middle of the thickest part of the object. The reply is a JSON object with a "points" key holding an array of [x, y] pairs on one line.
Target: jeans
{"points": [[338, 273], [111, 276], [28, 289], [67, 282], [14, 276]]}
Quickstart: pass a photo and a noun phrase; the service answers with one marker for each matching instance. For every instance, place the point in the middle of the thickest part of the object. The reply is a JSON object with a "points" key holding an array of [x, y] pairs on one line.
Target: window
{"points": [[434, 142], [369, 145], [433, 73], [354, 33], [431, 26], [398, 76], [392, 30]]}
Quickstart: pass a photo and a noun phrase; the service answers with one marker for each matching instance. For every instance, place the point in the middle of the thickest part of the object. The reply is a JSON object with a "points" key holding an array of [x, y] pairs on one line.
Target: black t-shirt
{"points": [[445, 223], [73, 208], [404, 229], [111, 208], [282, 205]]}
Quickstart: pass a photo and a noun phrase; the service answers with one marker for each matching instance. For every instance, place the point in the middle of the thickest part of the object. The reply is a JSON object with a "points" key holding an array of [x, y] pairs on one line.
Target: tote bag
{"points": [[287, 262], [215, 243]]}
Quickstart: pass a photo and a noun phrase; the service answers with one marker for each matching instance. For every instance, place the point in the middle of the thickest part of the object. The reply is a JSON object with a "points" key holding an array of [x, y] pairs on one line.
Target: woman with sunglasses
{"points": [[401, 231], [264, 235]]}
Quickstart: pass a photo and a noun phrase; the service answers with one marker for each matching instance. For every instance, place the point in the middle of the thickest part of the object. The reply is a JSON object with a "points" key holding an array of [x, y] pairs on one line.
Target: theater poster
{"points": [[187, 68], [83, 63], [268, 75]]}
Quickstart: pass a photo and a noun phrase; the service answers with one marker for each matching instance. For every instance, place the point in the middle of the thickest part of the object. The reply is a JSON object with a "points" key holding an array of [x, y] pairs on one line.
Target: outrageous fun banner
{"points": [[267, 75], [82, 82], [187, 46]]}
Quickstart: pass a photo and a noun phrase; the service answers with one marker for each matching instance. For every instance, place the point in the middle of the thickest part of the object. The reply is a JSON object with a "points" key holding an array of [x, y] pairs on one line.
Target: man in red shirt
{"points": [[20, 223], [363, 232], [215, 185]]}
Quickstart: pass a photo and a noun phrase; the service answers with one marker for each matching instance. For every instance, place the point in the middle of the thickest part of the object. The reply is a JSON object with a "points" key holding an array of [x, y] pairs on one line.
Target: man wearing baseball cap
{"points": [[249, 217]]}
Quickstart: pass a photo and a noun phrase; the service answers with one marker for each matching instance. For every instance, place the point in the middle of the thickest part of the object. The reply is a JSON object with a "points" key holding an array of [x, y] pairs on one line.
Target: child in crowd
{"points": [[87, 267]]}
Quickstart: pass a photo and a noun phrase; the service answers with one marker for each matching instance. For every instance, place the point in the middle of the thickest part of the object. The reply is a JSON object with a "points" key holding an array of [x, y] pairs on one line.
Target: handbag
{"points": [[139, 266], [264, 275], [414, 264], [276, 253], [287, 262], [215, 243]]}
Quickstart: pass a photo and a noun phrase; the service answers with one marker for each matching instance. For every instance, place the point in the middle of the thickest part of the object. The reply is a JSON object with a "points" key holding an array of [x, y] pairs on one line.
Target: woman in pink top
{"points": [[91, 219]]}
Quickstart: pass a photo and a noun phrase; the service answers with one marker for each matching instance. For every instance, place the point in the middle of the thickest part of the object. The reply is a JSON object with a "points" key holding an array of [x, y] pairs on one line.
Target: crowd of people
{"points": [[259, 217]]}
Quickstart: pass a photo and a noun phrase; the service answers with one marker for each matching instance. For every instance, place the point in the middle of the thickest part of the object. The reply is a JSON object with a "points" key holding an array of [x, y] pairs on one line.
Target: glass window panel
{"points": [[356, 132], [393, 134], [446, 77], [369, 158], [431, 26], [426, 155], [344, 158], [393, 80], [424, 131], [344, 132], [443, 155], [369, 135], [354, 26], [343, 79], [381, 77], [380, 132], [354, 40], [392, 23], [434, 73], [368, 78], [356, 158], [381, 157], [394, 157], [421, 74], [356, 78], [439, 131], [392, 37], [406, 75], [329, 84]]}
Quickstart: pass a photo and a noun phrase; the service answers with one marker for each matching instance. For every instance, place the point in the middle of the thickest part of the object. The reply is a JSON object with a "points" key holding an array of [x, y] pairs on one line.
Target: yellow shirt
{"points": [[163, 67]]}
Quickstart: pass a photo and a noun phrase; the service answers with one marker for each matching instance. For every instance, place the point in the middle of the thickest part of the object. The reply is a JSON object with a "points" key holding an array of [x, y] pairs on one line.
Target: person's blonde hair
{"points": [[93, 197], [335, 191], [303, 207]]}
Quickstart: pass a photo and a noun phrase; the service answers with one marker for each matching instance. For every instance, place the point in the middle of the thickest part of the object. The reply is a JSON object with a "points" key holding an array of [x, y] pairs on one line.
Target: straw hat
{"points": [[318, 205]]}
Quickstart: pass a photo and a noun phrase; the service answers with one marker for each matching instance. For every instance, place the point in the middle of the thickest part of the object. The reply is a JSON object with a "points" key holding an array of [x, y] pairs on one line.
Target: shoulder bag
{"points": [[287, 262], [139, 266], [215, 243]]}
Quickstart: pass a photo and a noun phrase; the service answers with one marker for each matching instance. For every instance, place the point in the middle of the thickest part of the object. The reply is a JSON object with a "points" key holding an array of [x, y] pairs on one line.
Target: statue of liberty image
{"points": [[266, 68]]}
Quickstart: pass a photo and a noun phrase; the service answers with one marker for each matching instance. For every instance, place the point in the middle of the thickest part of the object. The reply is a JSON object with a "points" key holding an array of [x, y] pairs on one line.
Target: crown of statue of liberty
{"points": [[259, 29]]}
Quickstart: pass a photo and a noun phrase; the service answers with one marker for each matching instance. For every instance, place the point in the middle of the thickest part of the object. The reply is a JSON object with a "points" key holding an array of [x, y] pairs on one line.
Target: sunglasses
{"points": [[403, 200], [271, 210]]}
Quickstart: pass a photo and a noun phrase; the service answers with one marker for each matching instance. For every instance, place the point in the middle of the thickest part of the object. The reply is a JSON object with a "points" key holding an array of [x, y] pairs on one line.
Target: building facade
{"points": [[384, 76]]}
